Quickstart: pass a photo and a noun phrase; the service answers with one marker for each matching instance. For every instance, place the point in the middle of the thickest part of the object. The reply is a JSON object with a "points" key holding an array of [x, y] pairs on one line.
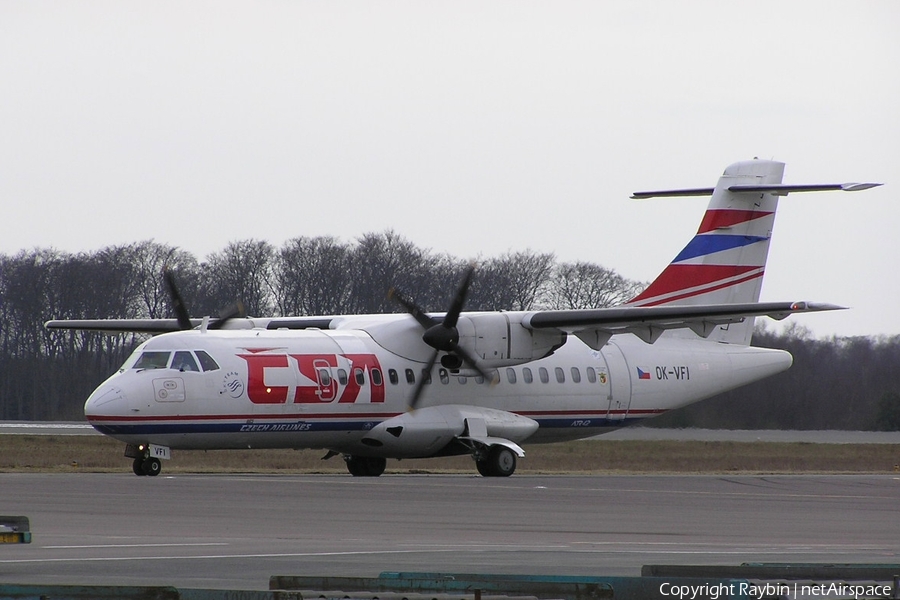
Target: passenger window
{"points": [[560, 375], [324, 377], [426, 376], [376, 377], [526, 375], [410, 376], [360, 376], [544, 375], [184, 361], [152, 360], [206, 361], [393, 377], [463, 380], [592, 375], [511, 375], [445, 377], [576, 375], [479, 379], [342, 376]]}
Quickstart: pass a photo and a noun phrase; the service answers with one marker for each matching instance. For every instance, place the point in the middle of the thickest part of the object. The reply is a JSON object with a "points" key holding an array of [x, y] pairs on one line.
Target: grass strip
{"points": [[39, 453]]}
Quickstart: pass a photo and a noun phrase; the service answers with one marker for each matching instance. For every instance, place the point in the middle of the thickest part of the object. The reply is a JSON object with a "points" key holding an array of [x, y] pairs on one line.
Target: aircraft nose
{"points": [[108, 398]]}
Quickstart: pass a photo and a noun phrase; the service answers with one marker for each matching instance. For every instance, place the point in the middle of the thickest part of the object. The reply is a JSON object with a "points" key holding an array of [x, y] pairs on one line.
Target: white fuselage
{"points": [[329, 388]]}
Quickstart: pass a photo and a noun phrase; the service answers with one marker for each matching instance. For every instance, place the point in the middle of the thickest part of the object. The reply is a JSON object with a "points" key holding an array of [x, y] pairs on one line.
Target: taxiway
{"points": [[233, 532]]}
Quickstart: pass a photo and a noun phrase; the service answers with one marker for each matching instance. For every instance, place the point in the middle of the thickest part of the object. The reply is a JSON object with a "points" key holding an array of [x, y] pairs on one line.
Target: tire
{"points": [[151, 466], [501, 461], [375, 466], [484, 469], [366, 466], [138, 467]]}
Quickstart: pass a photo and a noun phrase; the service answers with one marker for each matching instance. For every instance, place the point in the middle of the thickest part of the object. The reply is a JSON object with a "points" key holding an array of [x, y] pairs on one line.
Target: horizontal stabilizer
{"points": [[779, 189], [783, 189], [673, 193]]}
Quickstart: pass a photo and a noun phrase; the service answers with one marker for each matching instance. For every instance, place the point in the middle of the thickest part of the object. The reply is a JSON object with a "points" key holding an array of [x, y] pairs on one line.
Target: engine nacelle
{"points": [[426, 431], [500, 340]]}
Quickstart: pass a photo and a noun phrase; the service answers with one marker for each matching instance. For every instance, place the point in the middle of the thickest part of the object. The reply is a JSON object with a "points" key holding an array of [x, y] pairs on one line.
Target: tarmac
{"points": [[236, 531]]}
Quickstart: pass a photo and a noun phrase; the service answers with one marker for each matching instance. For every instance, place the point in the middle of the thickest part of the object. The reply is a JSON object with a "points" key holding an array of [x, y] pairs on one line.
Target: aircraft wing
{"points": [[119, 325], [155, 326], [595, 326]]}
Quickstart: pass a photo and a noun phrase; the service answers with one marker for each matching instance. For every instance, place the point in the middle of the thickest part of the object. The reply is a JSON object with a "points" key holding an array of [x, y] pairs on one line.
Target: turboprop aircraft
{"points": [[416, 385]]}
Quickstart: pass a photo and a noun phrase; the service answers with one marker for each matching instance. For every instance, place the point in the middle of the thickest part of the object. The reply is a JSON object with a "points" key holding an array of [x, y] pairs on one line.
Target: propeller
{"points": [[233, 311], [442, 335], [178, 305]]}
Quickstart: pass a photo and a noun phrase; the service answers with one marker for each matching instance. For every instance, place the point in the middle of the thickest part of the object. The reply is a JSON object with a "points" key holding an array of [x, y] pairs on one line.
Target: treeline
{"points": [[47, 375], [838, 383]]}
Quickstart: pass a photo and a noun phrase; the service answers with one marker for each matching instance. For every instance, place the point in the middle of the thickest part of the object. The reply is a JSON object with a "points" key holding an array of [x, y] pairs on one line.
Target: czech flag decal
{"points": [[642, 374]]}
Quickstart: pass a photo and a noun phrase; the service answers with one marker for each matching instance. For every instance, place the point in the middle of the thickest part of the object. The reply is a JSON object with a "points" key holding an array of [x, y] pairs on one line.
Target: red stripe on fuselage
{"points": [[255, 417]]}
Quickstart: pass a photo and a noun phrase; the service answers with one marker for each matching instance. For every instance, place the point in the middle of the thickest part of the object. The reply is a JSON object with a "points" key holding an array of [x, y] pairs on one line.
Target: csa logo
{"points": [[603, 378], [232, 385]]}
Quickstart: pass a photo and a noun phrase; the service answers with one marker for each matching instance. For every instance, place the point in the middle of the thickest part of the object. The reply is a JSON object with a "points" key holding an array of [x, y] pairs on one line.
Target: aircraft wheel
{"points": [[375, 466], [355, 466], [151, 466], [484, 469], [138, 467], [366, 466], [501, 462]]}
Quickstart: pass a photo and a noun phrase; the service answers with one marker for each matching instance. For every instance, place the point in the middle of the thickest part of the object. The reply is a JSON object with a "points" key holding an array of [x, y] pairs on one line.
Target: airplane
{"points": [[417, 385]]}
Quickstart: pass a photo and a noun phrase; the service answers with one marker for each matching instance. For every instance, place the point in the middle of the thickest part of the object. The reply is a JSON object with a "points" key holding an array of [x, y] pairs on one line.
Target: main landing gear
{"points": [[365, 466], [497, 461]]}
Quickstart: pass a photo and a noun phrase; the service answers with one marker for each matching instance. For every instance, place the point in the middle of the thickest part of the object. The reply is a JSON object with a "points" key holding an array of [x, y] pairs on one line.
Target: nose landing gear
{"points": [[146, 458], [146, 466]]}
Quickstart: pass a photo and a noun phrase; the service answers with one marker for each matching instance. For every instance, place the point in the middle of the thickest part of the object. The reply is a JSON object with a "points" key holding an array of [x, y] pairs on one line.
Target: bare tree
{"points": [[312, 277], [587, 285], [514, 281], [379, 262], [242, 271], [150, 259]]}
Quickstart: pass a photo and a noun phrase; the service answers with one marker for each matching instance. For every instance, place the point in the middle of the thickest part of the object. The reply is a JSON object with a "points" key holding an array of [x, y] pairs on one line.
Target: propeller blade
{"points": [[470, 360], [233, 311], [412, 308], [178, 305], [459, 300], [420, 384]]}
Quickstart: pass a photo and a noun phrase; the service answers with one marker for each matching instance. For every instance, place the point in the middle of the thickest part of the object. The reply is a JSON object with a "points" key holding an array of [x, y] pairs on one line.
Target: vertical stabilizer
{"points": [[726, 260]]}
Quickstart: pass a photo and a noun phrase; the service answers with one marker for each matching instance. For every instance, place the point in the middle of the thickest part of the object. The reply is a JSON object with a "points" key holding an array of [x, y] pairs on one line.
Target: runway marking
{"points": [[806, 549], [131, 546], [214, 556]]}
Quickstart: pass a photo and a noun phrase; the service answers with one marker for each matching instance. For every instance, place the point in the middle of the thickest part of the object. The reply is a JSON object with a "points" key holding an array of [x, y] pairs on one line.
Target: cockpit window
{"points": [[206, 361], [184, 361], [152, 360]]}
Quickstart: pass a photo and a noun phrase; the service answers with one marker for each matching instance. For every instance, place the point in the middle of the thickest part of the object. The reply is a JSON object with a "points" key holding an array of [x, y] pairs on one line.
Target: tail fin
{"points": [[725, 261]]}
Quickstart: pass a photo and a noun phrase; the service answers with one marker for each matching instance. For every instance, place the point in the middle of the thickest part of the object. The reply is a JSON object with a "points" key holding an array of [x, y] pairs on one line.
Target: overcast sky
{"points": [[470, 128]]}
